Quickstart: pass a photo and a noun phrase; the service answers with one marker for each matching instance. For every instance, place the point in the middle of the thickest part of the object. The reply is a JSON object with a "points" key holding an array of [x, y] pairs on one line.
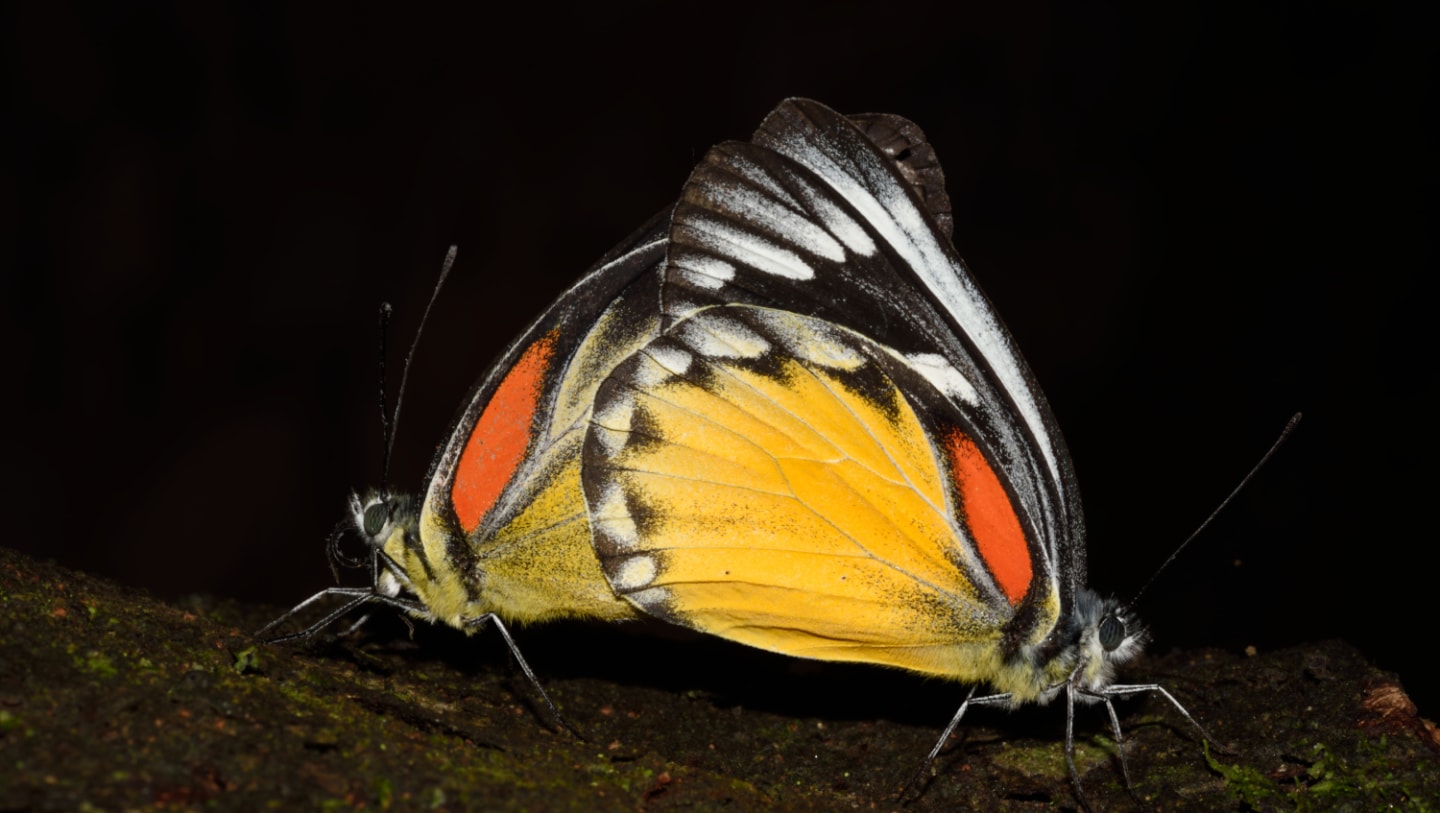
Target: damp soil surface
{"points": [[113, 700]]}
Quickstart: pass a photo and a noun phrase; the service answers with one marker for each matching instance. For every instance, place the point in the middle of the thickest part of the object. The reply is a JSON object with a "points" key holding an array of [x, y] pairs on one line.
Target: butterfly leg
{"points": [[1141, 688], [1109, 693], [360, 622], [1070, 749], [489, 618], [1120, 746], [970, 700], [358, 596]]}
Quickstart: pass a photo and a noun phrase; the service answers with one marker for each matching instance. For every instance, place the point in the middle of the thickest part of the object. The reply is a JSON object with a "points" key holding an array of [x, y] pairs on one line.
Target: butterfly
{"points": [[501, 534], [833, 449]]}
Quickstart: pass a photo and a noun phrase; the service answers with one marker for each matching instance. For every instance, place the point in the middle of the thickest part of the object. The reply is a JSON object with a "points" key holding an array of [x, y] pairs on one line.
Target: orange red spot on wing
{"points": [[499, 439], [991, 518]]}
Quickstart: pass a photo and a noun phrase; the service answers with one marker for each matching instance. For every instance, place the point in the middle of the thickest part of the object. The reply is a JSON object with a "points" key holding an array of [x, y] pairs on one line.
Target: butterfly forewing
{"points": [[912, 155]]}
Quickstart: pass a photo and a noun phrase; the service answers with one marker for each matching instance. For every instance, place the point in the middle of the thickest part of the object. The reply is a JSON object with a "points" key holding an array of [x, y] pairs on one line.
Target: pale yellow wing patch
{"points": [[541, 565], [783, 499], [530, 558]]}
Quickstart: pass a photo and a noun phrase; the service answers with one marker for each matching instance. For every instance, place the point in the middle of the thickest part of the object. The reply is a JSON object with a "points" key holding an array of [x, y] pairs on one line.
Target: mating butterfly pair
{"points": [[781, 413]]}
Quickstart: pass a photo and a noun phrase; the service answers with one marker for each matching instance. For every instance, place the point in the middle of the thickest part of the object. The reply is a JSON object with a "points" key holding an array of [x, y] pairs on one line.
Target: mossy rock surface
{"points": [[112, 700]]}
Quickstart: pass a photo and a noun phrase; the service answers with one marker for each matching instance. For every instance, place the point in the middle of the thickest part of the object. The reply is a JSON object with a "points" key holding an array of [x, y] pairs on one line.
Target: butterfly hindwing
{"points": [[504, 526], [766, 477]]}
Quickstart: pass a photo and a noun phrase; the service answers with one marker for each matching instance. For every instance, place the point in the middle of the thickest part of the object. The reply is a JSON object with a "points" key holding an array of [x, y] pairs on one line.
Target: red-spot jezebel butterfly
{"points": [[501, 534], [833, 449]]}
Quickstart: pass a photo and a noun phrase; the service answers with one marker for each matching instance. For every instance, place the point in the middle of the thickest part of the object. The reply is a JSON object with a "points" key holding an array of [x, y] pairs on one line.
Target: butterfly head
{"points": [[386, 523], [1105, 634], [426, 578]]}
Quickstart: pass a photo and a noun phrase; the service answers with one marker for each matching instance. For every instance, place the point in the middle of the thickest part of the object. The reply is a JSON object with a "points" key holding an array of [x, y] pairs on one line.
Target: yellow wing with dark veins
{"points": [[764, 476]]}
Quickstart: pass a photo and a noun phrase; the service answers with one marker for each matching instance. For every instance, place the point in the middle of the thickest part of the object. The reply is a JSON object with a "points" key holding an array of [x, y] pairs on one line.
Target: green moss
{"points": [[1048, 759], [12, 723], [247, 660], [384, 793], [97, 663], [1245, 784], [1329, 782]]}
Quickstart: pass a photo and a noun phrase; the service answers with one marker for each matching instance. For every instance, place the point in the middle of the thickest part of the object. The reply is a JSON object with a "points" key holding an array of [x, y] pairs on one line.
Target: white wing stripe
{"points": [[801, 231], [765, 256], [942, 374], [704, 271], [904, 227]]}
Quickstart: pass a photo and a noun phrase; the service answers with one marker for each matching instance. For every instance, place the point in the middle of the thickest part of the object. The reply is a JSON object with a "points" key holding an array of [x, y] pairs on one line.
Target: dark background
{"points": [[1196, 221]]}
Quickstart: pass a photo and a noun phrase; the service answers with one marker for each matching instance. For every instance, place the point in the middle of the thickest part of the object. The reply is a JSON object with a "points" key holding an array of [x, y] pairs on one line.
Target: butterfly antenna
{"points": [[389, 420], [385, 430], [1284, 434]]}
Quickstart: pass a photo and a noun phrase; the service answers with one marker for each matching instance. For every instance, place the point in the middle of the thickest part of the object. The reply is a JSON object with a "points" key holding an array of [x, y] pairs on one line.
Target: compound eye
{"points": [[375, 518], [1112, 633]]}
